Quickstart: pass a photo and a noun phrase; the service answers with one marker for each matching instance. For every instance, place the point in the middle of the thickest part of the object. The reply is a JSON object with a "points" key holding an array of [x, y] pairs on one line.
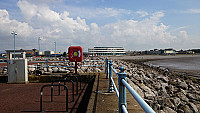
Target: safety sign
{"points": [[75, 53]]}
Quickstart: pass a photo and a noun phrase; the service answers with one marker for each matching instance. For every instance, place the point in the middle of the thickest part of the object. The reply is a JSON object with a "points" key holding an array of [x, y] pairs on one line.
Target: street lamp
{"points": [[55, 49], [39, 47], [14, 33]]}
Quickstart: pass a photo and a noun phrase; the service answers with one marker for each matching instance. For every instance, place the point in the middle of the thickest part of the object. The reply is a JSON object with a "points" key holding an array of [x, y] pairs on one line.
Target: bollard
{"points": [[111, 89], [47, 65], [122, 89], [106, 68]]}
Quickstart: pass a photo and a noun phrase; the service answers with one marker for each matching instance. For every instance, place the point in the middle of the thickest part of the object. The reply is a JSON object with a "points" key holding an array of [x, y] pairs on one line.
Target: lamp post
{"points": [[14, 33], [39, 47], [55, 49]]}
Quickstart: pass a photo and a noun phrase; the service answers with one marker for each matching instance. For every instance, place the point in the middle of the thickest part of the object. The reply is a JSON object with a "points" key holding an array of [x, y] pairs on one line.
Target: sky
{"points": [[132, 24]]}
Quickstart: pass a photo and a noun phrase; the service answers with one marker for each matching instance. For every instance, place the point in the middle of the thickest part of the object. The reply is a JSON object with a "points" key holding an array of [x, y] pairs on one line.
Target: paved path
{"points": [[103, 102]]}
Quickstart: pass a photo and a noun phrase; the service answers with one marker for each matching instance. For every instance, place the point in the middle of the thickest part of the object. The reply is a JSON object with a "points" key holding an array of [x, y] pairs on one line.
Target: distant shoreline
{"points": [[154, 60], [153, 57]]}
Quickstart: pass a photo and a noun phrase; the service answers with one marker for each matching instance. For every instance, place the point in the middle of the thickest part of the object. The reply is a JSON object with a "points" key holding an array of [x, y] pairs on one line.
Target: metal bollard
{"points": [[106, 68], [111, 89], [122, 89], [47, 65]]}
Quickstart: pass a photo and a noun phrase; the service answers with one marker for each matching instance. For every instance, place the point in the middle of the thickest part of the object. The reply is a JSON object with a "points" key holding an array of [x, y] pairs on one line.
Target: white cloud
{"points": [[53, 26], [193, 11], [89, 13], [188, 11], [142, 13]]}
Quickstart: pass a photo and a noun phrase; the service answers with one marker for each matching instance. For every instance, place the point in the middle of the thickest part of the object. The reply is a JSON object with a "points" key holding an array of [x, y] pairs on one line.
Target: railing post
{"points": [[111, 89], [122, 89], [47, 65], [106, 68]]}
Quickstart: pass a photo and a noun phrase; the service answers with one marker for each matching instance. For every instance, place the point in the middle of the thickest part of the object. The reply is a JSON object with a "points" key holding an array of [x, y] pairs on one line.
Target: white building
{"points": [[170, 51], [107, 51]]}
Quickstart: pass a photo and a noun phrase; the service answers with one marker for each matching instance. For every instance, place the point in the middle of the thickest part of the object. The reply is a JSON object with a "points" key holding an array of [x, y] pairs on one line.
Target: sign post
{"points": [[75, 54]]}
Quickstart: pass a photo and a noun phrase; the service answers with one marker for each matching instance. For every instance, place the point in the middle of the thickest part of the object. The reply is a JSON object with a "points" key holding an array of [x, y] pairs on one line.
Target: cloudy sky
{"points": [[133, 24]]}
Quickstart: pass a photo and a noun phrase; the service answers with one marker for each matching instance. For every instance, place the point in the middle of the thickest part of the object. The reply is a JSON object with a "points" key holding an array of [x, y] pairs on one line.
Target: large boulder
{"points": [[183, 85], [168, 110], [193, 107], [136, 88], [176, 101]]}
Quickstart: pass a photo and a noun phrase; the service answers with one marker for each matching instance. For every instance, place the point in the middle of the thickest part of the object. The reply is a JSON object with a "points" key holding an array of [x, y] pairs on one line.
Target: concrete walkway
{"points": [[101, 101]]}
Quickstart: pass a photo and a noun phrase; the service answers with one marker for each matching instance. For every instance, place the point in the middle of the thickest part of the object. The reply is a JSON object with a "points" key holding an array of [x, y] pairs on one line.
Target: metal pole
{"points": [[14, 45], [111, 89], [39, 47], [55, 49], [106, 68], [76, 67], [122, 89], [14, 33], [47, 65]]}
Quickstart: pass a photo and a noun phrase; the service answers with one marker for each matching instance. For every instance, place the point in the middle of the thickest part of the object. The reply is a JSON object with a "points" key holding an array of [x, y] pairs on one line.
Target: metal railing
{"points": [[51, 85], [47, 62], [121, 94]]}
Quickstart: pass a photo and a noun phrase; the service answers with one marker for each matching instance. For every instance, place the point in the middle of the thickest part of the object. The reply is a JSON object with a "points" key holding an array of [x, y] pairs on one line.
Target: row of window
{"points": [[107, 52]]}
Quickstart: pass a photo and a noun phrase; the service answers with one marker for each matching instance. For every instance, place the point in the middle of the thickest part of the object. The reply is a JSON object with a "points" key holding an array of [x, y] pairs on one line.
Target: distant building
{"points": [[56, 54], [196, 51], [169, 51], [96, 51], [19, 54], [3, 55], [154, 52], [48, 53]]}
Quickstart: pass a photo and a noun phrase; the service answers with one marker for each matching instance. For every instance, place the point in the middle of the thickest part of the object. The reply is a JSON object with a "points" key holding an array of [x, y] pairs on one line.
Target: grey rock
{"points": [[191, 87], [168, 110], [180, 111], [31, 69], [163, 87], [136, 88], [198, 106], [160, 111], [156, 106], [157, 86], [183, 85], [187, 109], [182, 97], [4, 72], [147, 91], [176, 101], [191, 96], [171, 89], [169, 103], [163, 78], [50, 70], [47, 73], [193, 107], [45, 69], [55, 69]]}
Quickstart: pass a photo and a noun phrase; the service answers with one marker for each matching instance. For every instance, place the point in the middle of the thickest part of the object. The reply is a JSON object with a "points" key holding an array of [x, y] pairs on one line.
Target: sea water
{"points": [[190, 63]]}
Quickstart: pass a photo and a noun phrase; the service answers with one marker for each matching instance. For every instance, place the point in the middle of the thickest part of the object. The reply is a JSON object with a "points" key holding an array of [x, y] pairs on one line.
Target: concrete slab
{"points": [[101, 101]]}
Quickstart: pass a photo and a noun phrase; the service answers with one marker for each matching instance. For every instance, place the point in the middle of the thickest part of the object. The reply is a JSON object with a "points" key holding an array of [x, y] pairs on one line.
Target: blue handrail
{"points": [[121, 94], [115, 88], [124, 109], [114, 71], [137, 97]]}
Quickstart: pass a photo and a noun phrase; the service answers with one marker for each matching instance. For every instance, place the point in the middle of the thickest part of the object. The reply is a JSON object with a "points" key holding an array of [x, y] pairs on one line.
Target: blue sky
{"points": [[133, 24]]}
